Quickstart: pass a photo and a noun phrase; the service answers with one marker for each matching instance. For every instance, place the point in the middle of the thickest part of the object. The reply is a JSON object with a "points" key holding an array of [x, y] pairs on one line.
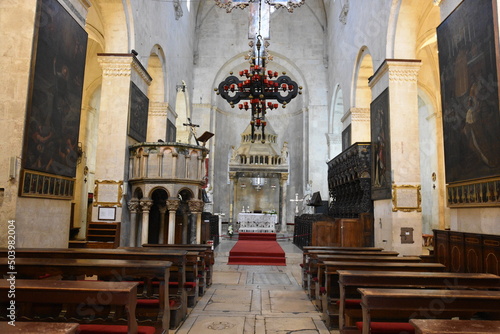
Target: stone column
{"points": [[146, 206], [400, 76], [196, 207], [133, 207], [283, 201], [163, 210], [172, 206], [118, 71], [360, 124], [175, 156], [157, 124], [232, 196]]}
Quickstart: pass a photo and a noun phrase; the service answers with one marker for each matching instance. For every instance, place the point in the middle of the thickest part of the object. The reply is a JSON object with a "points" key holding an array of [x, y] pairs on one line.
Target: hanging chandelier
{"points": [[256, 86]]}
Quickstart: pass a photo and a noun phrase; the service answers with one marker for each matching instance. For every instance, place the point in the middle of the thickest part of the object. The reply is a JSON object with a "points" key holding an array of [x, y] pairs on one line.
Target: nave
{"points": [[255, 299]]}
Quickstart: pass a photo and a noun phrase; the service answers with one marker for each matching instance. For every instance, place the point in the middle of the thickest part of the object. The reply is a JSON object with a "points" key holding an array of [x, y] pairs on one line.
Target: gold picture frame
{"points": [[406, 198], [108, 193]]}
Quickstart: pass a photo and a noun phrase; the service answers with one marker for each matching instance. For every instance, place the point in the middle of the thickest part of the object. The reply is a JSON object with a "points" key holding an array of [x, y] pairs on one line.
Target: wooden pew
{"points": [[422, 303], [351, 280], [80, 294], [34, 327], [330, 277], [205, 262], [444, 326], [309, 256], [206, 252], [117, 270], [178, 269], [317, 294]]}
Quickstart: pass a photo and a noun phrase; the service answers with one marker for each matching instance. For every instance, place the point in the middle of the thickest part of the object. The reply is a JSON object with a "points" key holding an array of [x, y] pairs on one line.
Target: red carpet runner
{"points": [[257, 249]]}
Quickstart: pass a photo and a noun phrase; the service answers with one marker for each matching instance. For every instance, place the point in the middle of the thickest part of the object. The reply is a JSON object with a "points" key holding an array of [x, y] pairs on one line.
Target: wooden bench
{"points": [[444, 326], [177, 273], [351, 280], [309, 255], [318, 272], [330, 277], [33, 327], [111, 270], [205, 264], [87, 298], [422, 303]]}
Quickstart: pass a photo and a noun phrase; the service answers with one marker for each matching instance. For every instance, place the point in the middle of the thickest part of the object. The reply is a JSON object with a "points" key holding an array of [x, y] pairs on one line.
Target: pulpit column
{"points": [[175, 156], [146, 206], [283, 201], [163, 210], [196, 207], [133, 207], [172, 206]]}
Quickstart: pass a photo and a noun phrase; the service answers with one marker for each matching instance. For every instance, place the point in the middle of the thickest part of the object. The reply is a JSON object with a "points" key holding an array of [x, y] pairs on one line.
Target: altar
{"points": [[257, 222]]}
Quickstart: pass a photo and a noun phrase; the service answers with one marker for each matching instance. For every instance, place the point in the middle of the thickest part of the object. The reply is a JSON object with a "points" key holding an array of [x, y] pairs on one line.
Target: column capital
{"points": [[158, 108], [398, 70], [357, 114], [146, 205], [133, 205], [283, 176], [195, 205], [173, 204], [122, 64]]}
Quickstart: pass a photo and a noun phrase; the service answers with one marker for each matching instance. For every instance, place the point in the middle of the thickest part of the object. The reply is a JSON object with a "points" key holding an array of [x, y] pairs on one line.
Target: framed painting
{"points": [[468, 65], [138, 118], [381, 147], [171, 132], [346, 138], [55, 94]]}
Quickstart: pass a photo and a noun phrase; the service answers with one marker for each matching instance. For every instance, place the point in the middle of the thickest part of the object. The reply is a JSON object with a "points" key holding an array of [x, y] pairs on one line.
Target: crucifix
{"points": [[296, 200], [192, 130]]}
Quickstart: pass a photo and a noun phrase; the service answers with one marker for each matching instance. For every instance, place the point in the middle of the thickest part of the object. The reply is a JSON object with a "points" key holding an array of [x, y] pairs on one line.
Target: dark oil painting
{"points": [[381, 147], [55, 96], [469, 91], [138, 119]]}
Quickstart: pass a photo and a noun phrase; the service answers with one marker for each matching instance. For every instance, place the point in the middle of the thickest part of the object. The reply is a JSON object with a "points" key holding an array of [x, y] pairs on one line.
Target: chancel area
{"points": [[171, 150]]}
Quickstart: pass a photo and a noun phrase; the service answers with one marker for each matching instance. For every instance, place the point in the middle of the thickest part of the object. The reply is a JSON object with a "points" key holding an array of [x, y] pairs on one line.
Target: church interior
{"points": [[156, 129]]}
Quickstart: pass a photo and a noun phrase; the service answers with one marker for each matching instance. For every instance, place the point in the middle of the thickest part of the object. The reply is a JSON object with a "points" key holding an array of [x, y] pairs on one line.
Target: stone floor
{"points": [[255, 299]]}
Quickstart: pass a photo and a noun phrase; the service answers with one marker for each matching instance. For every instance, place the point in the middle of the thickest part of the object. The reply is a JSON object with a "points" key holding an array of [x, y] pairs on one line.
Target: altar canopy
{"points": [[257, 222]]}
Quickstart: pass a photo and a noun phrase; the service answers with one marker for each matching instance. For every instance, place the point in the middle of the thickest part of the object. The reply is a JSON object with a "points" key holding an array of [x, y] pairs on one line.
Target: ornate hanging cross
{"points": [[230, 4]]}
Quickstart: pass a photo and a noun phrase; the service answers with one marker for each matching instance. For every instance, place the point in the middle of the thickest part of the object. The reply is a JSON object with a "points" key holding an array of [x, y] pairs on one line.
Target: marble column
{"points": [[145, 206], [401, 77], [172, 206], [161, 237], [283, 201], [133, 207], [196, 207]]}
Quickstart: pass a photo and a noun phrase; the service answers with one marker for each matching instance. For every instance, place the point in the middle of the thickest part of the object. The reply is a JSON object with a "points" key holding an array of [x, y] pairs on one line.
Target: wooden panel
{"points": [[457, 262], [325, 233], [491, 254], [351, 232], [441, 247], [473, 253], [366, 220]]}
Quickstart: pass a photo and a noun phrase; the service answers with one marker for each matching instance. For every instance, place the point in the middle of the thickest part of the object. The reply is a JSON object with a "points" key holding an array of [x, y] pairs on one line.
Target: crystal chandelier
{"points": [[257, 85]]}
